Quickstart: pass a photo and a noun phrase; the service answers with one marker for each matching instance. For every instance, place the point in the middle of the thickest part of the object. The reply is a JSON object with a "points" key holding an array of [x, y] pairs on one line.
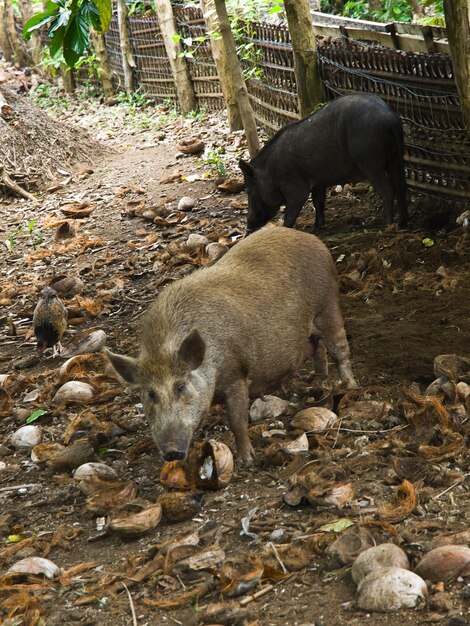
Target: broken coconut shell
{"points": [[65, 231], [384, 555], [36, 566], [44, 451], [445, 563], [179, 506], [390, 589], [186, 203], [113, 498], [191, 146], [452, 366], [137, 524], [6, 403], [210, 465], [72, 456], [215, 250], [314, 419], [77, 209], [281, 452], [232, 185], [268, 407], [240, 577], [92, 340], [173, 475]]}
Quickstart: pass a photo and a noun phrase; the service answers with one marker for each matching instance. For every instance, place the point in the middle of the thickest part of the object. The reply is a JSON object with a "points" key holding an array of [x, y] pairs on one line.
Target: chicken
{"points": [[49, 321]]}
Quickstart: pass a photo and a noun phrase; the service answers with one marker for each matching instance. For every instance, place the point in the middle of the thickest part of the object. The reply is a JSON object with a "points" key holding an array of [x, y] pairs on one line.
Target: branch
{"points": [[12, 186]]}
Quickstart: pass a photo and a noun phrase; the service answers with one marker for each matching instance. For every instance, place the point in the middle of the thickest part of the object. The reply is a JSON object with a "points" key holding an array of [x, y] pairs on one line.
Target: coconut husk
{"points": [[404, 503]]}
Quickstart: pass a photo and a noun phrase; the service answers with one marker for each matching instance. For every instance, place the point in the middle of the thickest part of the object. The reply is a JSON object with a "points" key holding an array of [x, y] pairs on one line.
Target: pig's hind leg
{"points": [[330, 326], [319, 199], [237, 399]]}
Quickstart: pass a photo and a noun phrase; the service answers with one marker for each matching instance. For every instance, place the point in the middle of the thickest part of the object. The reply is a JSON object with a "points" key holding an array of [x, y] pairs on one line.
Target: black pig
{"points": [[352, 138]]}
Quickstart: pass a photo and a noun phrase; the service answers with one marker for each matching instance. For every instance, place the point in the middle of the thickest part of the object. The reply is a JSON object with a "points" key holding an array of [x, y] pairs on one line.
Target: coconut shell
{"points": [[384, 555], [191, 146], [179, 506], [137, 524], [210, 465], [314, 419], [391, 589], [445, 563], [173, 476]]}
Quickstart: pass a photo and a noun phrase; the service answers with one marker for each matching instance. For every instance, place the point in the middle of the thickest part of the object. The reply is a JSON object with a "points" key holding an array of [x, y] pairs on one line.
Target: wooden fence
{"points": [[407, 65]]}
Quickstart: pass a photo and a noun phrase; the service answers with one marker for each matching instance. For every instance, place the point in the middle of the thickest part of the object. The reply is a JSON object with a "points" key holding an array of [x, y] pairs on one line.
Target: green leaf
{"points": [[36, 22], [102, 451], [62, 19], [428, 242], [34, 416], [91, 13], [105, 11], [56, 41], [276, 9], [176, 38], [336, 527]]}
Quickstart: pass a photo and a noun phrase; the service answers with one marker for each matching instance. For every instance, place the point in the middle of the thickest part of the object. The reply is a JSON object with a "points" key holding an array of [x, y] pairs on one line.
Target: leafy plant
{"points": [[34, 233], [214, 159], [35, 415], [134, 100], [68, 25]]}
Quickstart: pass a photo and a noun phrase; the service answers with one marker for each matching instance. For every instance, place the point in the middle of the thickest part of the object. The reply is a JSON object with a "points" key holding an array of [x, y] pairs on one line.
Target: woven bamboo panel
{"points": [[202, 68]]}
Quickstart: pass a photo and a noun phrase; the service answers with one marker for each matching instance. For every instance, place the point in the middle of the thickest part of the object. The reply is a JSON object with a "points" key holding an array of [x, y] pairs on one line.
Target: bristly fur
{"points": [[49, 319]]}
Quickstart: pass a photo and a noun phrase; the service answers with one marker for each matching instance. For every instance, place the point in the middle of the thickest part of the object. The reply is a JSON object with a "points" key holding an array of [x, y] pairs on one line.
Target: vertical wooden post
{"points": [[179, 67], [19, 51], [309, 85], [128, 62], [101, 52], [246, 111], [223, 69], [457, 14], [5, 45]]}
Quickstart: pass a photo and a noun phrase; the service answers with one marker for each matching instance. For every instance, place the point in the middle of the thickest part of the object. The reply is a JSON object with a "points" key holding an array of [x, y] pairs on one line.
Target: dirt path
{"points": [[405, 302]]}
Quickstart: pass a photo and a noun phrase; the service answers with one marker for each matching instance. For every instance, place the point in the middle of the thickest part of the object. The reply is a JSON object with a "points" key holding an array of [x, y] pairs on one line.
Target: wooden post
{"points": [[246, 111], [223, 70], [457, 14], [5, 46], [309, 85], [101, 52], [128, 62], [179, 67], [19, 51]]}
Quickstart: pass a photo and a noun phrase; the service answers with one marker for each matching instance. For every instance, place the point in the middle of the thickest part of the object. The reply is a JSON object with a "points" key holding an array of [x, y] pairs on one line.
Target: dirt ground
{"points": [[405, 297]]}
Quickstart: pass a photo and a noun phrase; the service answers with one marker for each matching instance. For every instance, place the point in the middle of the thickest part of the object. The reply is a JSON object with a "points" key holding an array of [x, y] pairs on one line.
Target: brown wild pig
{"points": [[242, 325]]}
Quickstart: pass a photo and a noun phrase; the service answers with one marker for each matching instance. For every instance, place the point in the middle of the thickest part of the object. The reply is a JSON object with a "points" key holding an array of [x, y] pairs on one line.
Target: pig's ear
{"points": [[125, 366], [192, 350], [246, 169]]}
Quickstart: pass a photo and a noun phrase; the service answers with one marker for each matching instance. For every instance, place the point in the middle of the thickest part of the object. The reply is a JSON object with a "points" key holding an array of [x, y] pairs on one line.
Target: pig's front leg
{"points": [[237, 399]]}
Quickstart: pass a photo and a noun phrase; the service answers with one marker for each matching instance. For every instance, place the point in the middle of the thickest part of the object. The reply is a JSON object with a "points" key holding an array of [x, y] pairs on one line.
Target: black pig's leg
{"points": [[384, 188], [318, 199], [238, 402], [295, 201]]}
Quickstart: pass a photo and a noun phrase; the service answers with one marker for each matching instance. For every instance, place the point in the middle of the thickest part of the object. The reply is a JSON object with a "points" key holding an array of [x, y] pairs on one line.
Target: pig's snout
{"points": [[174, 455]]}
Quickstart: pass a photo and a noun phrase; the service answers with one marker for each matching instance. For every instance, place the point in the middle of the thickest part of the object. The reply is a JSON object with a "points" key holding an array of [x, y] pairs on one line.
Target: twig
{"points": [[278, 558], [15, 487], [131, 604], [12, 186], [452, 486], [265, 590]]}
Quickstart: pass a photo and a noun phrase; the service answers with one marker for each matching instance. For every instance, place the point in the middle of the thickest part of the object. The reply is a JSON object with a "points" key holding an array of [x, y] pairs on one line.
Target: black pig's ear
{"points": [[125, 366], [246, 169], [193, 350]]}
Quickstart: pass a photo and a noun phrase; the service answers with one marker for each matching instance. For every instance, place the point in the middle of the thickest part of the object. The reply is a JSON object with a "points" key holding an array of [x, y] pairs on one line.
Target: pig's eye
{"points": [[180, 387], [152, 395]]}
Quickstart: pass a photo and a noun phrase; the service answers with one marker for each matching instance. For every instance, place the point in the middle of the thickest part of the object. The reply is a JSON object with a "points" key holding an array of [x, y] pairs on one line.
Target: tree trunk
{"points": [[101, 52], [19, 51], [309, 85], [179, 67], [68, 81], [34, 44], [5, 46], [128, 62], [223, 69], [416, 9], [375, 6], [457, 14], [246, 111]]}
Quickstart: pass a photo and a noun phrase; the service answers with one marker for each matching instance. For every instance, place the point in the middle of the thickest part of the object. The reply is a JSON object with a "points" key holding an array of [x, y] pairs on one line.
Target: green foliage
{"points": [[68, 25], [35, 415], [135, 100], [392, 11], [30, 230], [214, 159], [45, 98]]}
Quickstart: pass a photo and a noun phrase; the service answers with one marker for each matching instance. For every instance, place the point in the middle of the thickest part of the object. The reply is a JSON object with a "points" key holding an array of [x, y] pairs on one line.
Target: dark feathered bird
{"points": [[49, 321]]}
